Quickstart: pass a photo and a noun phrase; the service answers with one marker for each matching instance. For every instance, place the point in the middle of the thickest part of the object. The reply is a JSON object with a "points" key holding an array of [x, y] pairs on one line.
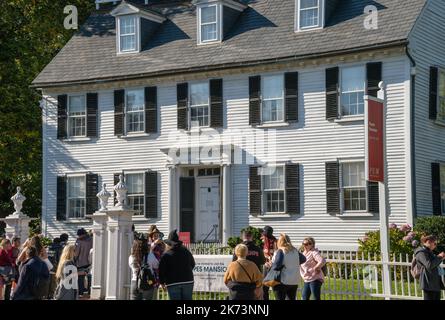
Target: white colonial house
{"points": [[269, 94]]}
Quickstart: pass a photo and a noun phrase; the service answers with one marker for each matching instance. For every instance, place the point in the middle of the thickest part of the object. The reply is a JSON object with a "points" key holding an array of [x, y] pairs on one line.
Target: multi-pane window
{"points": [[441, 97], [76, 197], [127, 33], [135, 195], [354, 186], [135, 110], [199, 104], [309, 14], [352, 91], [442, 187], [273, 190], [273, 98], [209, 24], [77, 116]]}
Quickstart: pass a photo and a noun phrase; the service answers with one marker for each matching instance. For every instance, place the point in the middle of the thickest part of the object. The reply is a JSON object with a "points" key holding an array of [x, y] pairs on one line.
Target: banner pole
{"points": [[383, 205]]}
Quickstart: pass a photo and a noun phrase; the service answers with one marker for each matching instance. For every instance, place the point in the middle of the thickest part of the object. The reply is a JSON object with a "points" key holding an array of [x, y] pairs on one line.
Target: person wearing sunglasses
{"points": [[311, 270]]}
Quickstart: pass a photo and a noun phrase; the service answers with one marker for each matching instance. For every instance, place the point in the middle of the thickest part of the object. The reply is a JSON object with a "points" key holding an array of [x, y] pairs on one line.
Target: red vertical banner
{"points": [[375, 131], [184, 237]]}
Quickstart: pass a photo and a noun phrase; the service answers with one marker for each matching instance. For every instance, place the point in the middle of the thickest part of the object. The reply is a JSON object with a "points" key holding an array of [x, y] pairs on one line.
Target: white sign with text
{"points": [[209, 272]]}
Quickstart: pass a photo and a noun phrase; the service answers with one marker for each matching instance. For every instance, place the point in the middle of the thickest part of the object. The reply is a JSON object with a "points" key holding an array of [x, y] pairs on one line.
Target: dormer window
{"points": [[209, 23], [134, 27], [309, 14], [215, 18], [128, 34]]}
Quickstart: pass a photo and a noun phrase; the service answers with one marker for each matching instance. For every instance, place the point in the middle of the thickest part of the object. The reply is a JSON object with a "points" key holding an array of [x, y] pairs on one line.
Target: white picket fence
{"points": [[350, 276]]}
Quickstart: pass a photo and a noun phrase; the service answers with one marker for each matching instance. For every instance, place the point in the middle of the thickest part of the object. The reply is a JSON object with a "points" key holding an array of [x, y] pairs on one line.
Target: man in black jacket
{"points": [[176, 269], [430, 279], [255, 253]]}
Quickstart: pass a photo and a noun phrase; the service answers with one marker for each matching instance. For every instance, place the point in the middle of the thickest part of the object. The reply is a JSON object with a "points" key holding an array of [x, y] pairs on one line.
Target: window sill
{"points": [[139, 218], [77, 221], [273, 125], [135, 135], [347, 119], [77, 139], [201, 130], [276, 216], [356, 214], [440, 123]]}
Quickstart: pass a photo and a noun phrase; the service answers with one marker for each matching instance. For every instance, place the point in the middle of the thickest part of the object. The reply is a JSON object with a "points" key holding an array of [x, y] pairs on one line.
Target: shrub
{"points": [[432, 225], [256, 235], [403, 241]]}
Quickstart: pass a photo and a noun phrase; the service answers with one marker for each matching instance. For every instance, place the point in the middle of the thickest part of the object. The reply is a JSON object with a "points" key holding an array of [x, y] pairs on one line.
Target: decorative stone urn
{"points": [[121, 193], [17, 223], [18, 200], [103, 196]]}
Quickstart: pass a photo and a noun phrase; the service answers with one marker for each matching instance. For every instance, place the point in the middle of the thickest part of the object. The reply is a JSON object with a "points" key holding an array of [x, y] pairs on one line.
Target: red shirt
{"points": [[6, 258]]}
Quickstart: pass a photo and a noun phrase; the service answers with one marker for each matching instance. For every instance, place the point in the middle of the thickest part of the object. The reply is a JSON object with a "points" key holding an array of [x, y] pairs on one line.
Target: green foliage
{"points": [[232, 242], [432, 225], [32, 33], [256, 235], [402, 241]]}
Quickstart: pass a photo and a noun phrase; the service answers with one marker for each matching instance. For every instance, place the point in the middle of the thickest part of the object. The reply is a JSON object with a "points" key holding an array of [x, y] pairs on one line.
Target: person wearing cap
{"points": [[176, 269], [269, 248], [254, 253], [157, 248], [84, 243]]}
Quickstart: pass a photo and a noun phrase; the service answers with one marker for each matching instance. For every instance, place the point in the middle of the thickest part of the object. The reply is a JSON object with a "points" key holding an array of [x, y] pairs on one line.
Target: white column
{"points": [[227, 203], [99, 269], [118, 271], [17, 225], [172, 215]]}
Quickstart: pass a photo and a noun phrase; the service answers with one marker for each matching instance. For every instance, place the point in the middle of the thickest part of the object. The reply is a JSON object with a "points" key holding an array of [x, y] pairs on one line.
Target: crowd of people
{"points": [[62, 270], [34, 271], [278, 264]]}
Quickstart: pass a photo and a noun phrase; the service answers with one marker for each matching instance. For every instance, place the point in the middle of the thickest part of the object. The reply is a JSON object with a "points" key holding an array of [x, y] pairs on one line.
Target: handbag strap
{"points": [[245, 271]]}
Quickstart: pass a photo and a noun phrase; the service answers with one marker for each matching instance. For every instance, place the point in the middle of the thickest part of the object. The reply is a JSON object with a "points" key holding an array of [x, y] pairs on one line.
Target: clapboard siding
{"points": [[427, 45], [310, 142]]}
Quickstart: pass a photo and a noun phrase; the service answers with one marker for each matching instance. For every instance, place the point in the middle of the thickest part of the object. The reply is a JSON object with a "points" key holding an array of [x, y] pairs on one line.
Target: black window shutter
{"points": [[434, 79], [254, 191], [373, 197], [216, 103], [291, 96], [293, 188], [62, 108], [333, 187], [92, 188], [151, 109], [92, 107], [151, 194], [255, 100], [182, 98], [61, 198], [119, 112], [373, 77], [332, 92], [435, 179], [115, 180]]}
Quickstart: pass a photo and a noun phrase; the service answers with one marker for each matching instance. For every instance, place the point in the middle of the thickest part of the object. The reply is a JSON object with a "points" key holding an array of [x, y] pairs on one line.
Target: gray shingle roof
{"points": [[265, 30]]}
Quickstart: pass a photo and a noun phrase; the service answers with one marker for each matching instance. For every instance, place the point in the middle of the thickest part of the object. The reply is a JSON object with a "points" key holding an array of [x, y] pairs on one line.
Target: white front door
{"points": [[208, 209]]}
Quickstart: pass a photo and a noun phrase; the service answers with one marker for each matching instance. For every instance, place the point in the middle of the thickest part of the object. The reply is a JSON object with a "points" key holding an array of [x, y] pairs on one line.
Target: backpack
{"points": [[416, 269], [146, 278]]}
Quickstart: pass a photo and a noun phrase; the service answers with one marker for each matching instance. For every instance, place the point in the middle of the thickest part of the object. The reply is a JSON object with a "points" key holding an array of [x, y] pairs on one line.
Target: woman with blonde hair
{"points": [[311, 271], [287, 259], [243, 278], [66, 275]]}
